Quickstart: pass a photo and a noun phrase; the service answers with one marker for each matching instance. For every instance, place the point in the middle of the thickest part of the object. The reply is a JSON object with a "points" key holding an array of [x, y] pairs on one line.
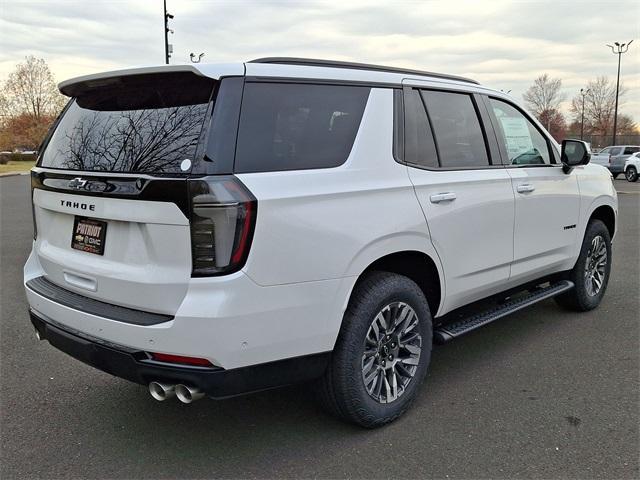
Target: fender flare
{"points": [[389, 245]]}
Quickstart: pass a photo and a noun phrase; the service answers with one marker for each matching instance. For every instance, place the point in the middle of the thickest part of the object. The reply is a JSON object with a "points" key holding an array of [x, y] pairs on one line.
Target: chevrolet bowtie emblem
{"points": [[77, 183]]}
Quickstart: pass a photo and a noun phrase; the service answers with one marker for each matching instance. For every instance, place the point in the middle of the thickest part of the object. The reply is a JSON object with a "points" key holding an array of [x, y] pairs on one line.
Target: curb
{"points": [[13, 174]]}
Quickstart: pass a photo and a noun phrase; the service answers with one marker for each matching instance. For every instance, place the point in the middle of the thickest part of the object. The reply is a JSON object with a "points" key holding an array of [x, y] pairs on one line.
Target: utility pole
{"points": [[168, 49], [583, 92], [617, 50]]}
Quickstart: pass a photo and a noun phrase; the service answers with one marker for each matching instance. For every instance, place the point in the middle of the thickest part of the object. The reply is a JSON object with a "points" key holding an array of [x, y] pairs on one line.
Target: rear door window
{"points": [[631, 150], [138, 124], [286, 126], [420, 148], [456, 126]]}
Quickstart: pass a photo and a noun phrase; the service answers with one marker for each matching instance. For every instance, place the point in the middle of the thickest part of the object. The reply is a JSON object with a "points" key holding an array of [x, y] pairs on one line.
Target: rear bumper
{"points": [[229, 320], [134, 365]]}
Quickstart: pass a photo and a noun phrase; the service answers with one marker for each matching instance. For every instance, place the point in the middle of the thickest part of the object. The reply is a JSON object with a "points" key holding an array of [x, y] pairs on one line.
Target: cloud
{"points": [[502, 44]]}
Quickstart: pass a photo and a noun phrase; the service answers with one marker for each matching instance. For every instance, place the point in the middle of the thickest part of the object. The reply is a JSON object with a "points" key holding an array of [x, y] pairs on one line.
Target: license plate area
{"points": [[89, 235]]}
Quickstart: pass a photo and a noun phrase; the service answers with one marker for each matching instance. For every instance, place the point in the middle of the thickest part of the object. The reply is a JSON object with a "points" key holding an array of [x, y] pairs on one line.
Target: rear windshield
{"points": [[142, 124], [285, 126]]}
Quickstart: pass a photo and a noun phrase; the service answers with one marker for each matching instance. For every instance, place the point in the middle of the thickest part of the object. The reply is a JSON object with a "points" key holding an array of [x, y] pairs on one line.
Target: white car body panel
{"points": [[545, 221], [633, 160], [147, 261], [215, 71], [596, 190], [215, 321], [483, 210], [316, 232], [318, 224]]}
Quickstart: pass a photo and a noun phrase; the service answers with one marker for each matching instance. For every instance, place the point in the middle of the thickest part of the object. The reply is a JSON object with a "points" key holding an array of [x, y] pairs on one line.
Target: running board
{"points": [[452, 330]]}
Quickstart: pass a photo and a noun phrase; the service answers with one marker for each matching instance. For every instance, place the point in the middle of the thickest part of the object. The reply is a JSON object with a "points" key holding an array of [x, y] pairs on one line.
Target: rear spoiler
{"points": [[76, 86]]}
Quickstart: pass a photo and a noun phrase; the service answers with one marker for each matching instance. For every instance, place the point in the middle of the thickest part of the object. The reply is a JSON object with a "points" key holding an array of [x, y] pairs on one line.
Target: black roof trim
{"points": [[314, 62]]}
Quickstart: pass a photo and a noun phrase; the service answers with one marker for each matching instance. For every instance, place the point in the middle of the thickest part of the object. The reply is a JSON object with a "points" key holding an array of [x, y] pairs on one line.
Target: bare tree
{"points": [[544, 96], [626, 125], [30, 89], [599, 104], [555, 123], [154, 140]]}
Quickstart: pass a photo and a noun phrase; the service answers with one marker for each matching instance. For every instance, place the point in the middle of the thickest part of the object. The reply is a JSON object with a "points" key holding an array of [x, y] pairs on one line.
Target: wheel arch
{"points": [[416, 265], [607, 215]]}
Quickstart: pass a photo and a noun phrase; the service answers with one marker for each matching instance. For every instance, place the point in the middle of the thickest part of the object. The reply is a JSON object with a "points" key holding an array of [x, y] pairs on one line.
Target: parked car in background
{"points": [[632, 167], [614, 157]]}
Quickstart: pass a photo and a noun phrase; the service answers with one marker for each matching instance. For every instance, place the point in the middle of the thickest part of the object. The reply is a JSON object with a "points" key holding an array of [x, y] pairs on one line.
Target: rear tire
{"points": [[615, 175], [590, 274], [631, 174], [385, 340]]}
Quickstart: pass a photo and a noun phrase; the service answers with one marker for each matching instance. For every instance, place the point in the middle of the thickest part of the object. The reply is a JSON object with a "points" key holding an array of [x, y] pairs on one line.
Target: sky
{"points": [[504, 45]]}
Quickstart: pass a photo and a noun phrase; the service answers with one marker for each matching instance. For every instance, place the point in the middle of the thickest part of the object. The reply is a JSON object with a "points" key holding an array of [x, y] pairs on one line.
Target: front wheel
{"points": [[590, 274], [382, 352], [631, 174]]}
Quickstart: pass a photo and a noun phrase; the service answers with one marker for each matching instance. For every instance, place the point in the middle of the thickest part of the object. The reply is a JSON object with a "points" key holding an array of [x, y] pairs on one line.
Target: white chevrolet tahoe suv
{"points": [[213, 230]]}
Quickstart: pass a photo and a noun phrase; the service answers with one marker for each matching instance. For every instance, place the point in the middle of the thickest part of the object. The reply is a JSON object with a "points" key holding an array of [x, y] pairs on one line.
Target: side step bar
{"points": [[452, 330]]}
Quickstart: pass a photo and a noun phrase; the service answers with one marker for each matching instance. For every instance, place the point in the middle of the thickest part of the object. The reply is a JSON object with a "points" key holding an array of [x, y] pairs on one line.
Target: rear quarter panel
{"points": [[332, 223]]}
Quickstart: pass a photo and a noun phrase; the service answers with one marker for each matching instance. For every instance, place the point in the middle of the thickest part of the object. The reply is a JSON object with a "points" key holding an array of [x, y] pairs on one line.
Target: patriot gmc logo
{"points": [[82, 206]]}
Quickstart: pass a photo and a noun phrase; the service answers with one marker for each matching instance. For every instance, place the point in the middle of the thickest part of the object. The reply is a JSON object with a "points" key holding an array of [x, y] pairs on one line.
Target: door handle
{"points": [[525, 188], [442, 197]]}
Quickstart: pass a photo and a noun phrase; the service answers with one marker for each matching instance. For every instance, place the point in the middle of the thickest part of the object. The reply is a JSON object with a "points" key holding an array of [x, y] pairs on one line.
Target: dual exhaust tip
{"points": [[163, 391]]}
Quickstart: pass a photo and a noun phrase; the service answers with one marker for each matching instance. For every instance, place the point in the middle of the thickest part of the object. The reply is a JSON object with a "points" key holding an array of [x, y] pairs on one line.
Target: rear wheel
{"points": [[631, 174], [615, 175], [591, 272], [382, 352]]}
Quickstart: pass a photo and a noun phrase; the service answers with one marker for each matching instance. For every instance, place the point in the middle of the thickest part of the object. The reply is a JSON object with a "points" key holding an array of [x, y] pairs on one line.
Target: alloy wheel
{"points": [[393, 345], [596, 266]]}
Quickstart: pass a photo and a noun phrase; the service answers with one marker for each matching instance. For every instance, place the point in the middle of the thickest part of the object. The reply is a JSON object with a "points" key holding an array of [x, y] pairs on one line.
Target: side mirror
{"points": [[574, 153]]}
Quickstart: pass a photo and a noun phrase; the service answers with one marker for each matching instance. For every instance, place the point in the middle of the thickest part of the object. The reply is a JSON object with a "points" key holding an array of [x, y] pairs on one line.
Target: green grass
{"points": [[16, 167]]}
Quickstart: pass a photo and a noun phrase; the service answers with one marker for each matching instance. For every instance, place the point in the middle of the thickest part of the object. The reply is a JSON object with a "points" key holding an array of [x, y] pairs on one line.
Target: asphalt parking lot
{"points": [[543, 393]]}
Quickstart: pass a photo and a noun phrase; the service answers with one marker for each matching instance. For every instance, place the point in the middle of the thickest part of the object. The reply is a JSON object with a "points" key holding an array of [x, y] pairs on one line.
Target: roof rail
{"points": [[313, 62]]}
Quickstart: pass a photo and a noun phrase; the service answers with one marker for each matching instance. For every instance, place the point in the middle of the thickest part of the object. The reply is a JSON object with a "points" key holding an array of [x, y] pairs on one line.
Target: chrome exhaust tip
{"points": [[38, 336], [161, 391], [188, 394]]}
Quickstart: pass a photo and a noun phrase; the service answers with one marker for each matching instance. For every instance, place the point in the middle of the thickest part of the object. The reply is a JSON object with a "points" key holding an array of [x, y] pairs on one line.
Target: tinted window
{"points": [[148, 123], [615, 151], [524, 143], [297, 126], [420, 148], [457, 129], [630, 150]]}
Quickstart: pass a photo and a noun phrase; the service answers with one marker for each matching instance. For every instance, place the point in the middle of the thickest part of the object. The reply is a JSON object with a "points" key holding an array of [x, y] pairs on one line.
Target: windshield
{"points": [[142, 125]]}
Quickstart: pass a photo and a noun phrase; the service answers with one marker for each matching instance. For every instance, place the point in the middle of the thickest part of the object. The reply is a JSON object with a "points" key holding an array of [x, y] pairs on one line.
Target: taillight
{"points": [[223, 216], [609, 158]]}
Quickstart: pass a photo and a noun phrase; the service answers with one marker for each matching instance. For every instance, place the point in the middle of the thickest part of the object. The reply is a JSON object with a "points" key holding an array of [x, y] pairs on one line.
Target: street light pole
{"points": [[618, 50], [583, 92], [167, 17]]}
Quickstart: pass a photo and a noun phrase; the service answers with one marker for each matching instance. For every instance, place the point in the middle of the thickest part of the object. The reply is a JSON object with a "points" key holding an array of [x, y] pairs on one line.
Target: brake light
{"points": [[168, 358], [223, 215]]}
